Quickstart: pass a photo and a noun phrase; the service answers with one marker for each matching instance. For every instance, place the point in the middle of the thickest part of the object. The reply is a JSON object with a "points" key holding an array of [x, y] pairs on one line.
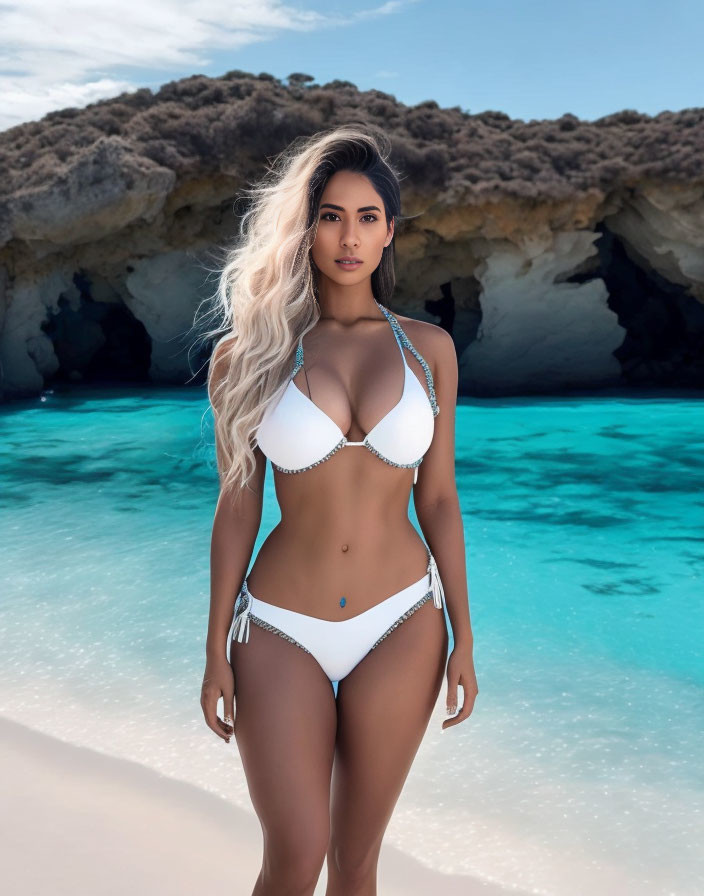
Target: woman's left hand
{"points": [[460, 670]]}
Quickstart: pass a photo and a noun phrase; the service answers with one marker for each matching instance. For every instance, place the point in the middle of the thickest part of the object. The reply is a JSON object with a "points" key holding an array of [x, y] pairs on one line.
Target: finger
{"points": [[453, 721], [464, 713], [224, 724], [227, 722], [209, 705], [228, 701], [448, 723], [215, 725], [451, 699]]}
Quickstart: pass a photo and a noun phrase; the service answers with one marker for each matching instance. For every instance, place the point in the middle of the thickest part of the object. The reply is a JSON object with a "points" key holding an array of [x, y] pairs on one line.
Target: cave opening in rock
{"points": [[97, 341], [664, 341], [444, 307], [458, 310]]}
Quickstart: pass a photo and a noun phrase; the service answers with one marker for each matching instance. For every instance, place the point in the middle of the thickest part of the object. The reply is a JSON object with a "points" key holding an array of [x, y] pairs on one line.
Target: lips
{"points": [[348, 262]]}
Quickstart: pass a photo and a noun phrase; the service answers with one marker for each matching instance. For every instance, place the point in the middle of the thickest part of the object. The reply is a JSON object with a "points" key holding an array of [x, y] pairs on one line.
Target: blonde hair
{"points": [[267, 287]]}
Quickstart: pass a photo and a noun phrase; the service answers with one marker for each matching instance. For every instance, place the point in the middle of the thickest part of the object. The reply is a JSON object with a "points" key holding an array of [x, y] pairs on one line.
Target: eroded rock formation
{"points": [[558, 253]]}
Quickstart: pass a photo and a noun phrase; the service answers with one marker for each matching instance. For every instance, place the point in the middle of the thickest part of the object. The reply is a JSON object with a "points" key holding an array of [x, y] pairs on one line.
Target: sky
{"points": [[531, 59]]}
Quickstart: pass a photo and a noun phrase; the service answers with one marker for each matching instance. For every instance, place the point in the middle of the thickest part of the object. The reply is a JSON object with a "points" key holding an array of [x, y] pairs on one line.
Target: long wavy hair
{"points": [[267, 288]]}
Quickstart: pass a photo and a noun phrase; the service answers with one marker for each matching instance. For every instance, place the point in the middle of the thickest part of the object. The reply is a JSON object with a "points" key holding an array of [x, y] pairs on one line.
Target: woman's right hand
{"points": [[218, 681]]}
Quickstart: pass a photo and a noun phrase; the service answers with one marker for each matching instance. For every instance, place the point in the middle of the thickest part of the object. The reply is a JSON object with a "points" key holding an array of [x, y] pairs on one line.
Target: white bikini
{"points": [[296, 435]]}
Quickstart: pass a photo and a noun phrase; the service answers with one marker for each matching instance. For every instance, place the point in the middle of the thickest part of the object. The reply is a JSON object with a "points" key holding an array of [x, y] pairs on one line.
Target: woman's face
{"points": [[351, 224]]}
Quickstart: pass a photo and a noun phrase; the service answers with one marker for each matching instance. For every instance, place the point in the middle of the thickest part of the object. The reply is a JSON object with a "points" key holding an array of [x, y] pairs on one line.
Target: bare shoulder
{"points": [[433, 342]]}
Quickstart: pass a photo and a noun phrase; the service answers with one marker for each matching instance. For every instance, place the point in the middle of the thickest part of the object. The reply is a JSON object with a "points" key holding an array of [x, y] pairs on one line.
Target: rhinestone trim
{"points": [[337, 447], [416, 463], [277, 631], [409, 612], [299, 358], [341, 444]]}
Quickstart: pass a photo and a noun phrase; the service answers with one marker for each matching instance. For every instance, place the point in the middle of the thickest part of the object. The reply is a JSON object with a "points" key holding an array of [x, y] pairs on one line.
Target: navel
{"points": [[345, 548]]}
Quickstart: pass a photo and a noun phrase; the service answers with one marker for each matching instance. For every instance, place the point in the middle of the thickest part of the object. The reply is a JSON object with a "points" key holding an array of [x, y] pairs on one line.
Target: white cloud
{"points": [[73, 53], [29, 98]]}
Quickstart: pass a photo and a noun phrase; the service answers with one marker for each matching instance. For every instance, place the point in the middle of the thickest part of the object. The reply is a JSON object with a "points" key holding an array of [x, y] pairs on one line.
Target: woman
{"points": [[345, 399]]}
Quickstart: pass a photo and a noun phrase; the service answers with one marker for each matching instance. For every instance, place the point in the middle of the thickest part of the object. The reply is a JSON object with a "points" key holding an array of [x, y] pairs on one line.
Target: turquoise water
{"points": [[580, 767]]}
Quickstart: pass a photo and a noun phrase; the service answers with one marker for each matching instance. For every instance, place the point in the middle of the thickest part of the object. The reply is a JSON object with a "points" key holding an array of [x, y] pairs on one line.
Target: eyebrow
{"points": [[339, 208]]}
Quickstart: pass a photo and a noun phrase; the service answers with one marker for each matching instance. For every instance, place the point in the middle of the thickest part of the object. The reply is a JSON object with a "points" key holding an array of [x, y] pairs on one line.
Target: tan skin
{"points": [[325, 774]]}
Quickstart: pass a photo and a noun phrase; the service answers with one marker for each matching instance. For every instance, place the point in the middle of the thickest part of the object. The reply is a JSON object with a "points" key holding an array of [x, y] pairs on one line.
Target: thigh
{"points": [[384, 706], [285, 723]]}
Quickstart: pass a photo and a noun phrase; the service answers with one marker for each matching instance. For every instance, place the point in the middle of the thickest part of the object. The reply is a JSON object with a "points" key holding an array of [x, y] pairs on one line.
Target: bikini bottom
{"points": [[337, 645]]}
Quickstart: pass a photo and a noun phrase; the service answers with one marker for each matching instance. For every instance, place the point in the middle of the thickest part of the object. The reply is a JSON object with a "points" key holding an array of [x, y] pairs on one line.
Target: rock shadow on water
{"points": [[578, 519], [631, 587], [594, 562]]}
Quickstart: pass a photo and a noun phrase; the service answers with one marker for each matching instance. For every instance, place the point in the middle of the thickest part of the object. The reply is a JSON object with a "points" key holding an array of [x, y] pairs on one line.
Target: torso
{"points": [[344, 527]]}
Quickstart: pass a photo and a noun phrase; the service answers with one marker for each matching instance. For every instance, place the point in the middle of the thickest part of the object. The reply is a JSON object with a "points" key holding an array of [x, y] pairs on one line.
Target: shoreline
{"points": [[83, 822]]}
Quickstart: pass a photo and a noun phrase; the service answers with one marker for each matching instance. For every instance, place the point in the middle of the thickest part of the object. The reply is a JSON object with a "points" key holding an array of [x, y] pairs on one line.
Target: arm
{"points": [[440, 518], [235, 526], [435, 494]]}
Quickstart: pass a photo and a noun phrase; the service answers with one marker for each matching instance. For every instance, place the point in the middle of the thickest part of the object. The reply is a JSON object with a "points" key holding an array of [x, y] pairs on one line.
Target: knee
{"points": [[355, 865], [292, 864]]}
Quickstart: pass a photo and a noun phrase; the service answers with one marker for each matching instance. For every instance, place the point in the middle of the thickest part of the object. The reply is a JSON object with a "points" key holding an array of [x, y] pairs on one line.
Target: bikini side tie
{"points": [[240, 629], [435, 582]]}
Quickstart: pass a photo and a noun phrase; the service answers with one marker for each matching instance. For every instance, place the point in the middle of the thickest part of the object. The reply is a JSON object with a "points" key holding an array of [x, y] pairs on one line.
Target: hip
{"points": [[334, 575]]}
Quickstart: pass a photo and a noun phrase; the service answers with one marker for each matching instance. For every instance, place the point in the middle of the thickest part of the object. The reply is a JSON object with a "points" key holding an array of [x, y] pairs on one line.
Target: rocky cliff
{"points": [[558, 253]]}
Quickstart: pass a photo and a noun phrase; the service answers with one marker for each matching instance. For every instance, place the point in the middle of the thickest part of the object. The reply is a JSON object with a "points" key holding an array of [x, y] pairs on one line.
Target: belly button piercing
{"points": [[345, 547], [343, 601]]}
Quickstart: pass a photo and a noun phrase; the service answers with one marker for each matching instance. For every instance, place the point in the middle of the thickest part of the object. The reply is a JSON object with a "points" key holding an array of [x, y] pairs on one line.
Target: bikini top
{"points": [[295, 434]]}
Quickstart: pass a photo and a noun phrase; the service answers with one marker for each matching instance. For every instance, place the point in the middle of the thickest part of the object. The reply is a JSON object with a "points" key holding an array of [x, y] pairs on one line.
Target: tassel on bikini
{"points": [[435, 582], [240, 630]]}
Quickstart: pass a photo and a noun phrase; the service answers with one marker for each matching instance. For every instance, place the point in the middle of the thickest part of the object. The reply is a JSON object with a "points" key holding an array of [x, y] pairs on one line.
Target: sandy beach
{"points": [[79, 822]]}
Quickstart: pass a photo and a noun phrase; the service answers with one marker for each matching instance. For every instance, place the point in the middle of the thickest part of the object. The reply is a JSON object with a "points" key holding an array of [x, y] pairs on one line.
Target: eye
{"points": [[326, 216]]}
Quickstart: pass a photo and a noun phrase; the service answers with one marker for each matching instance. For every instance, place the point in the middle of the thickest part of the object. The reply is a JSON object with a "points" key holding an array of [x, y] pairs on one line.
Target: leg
{"points": [[384, 706], [285, 722]]}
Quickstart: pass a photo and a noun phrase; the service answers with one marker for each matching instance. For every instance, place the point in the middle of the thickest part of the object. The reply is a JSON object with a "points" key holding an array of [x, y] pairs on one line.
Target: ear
{"points": [[390, 234]]}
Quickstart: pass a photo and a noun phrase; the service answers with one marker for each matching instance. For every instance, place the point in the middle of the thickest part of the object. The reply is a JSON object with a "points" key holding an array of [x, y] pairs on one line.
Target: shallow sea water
{"points": [[580, 768]]}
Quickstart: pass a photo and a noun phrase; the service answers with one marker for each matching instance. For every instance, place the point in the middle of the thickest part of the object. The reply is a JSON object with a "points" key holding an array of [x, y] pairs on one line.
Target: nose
{"points": [[349, 235]]}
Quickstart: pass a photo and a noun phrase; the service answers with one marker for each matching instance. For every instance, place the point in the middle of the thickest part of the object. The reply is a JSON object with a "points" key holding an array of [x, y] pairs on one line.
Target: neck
{"points": [[347, 304]]}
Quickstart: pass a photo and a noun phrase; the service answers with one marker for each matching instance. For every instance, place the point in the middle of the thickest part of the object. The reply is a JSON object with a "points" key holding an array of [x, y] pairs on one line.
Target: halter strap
{"points": [[299, 357], [395, 326], [402, 341]]}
